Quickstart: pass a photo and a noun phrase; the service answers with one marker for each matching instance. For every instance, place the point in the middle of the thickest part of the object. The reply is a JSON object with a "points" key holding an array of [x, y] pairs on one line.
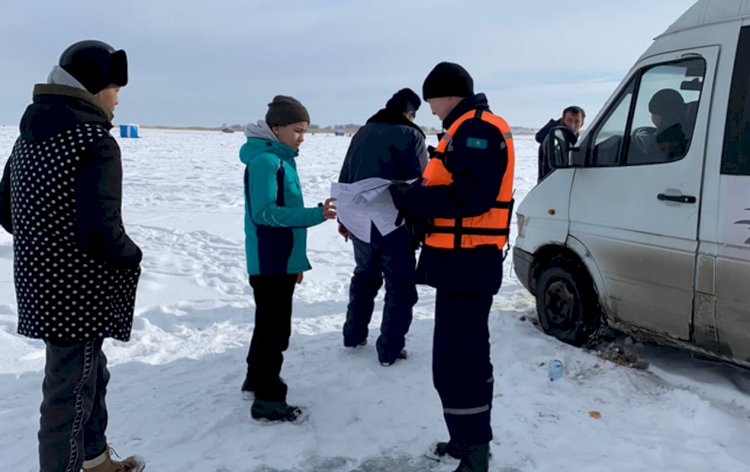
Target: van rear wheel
{"points": [[566, 302]]}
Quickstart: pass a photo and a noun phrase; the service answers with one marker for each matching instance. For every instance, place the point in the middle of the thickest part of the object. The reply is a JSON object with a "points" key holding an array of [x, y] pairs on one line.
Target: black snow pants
{"points": [[391, 257], [461, 368], [273, 327]]}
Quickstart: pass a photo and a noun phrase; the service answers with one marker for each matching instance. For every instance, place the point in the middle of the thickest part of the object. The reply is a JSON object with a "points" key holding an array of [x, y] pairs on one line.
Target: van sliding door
{"points": [[732, 238]]}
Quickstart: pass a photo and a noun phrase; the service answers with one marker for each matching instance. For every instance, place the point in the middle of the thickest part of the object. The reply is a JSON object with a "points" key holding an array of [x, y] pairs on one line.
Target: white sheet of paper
{"points": [[363, 203]]}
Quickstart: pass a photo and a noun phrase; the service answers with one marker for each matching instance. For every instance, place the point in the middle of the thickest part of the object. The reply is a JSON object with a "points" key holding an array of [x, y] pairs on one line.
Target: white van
{"points": [[645, 223]]}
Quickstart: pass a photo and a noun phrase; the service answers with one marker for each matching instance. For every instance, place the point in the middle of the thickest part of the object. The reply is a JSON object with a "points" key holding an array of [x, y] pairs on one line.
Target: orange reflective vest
{"points": [[489, 228]]}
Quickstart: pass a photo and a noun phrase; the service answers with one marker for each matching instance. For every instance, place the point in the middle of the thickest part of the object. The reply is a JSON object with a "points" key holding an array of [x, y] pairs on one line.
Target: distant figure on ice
{"points": [[392, 147], [465, 201], [572, 119], [276, 222], [76, 269]]}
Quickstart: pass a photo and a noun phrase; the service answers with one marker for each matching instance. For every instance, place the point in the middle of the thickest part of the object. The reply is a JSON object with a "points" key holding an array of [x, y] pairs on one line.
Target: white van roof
{"points": [[706, 12]]}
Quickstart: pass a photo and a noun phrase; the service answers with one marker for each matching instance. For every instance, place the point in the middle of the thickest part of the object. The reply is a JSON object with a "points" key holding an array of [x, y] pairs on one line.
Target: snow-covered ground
{"points": [[174, 396]]}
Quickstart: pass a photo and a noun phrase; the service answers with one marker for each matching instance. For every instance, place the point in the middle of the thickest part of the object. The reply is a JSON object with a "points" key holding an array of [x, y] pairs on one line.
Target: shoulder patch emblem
{"points": [[476, 143]]}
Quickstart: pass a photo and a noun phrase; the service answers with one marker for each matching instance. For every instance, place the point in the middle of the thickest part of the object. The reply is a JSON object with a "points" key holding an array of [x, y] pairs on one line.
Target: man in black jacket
{"points": [[464, 202], [76, 269], [392, 147], [572, 118]]}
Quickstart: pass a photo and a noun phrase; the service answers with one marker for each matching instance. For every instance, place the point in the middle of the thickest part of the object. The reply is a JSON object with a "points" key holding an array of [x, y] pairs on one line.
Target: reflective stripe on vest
{"points": [[491, 227]]}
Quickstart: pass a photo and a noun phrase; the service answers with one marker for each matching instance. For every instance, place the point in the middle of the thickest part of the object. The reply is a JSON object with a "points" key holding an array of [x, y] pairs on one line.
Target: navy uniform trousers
{"points": [[461, 367]]}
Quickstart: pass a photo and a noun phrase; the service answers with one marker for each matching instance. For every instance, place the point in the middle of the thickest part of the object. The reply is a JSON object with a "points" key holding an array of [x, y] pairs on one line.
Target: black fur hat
{"points": [[95, 65], [404, 101]]}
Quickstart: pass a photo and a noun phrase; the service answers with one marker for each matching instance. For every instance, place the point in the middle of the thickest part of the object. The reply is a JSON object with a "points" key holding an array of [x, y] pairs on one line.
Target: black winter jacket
{"points": [[477, 175], [387, 146], [76, 270]]}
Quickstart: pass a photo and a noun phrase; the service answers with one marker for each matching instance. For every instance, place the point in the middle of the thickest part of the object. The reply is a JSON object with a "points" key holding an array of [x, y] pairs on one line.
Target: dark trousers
{"points": [[273, 327], [390, 257], [73, 412], [461, 368]]}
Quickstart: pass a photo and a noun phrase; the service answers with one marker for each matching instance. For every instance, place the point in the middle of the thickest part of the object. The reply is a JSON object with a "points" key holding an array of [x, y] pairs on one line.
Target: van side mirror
{"points": [[559, 148]]}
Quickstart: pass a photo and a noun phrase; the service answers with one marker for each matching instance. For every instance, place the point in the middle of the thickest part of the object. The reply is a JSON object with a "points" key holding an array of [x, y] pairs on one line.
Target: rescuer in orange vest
{"points": [[463, 204]]}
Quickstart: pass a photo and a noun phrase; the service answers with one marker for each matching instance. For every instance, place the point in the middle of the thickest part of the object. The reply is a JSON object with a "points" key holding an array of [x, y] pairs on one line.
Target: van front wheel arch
{"points": [[566, 302]]}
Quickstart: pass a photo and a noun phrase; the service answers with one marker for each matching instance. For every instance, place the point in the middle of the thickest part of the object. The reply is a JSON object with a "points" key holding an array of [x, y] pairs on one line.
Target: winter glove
{"points": [[399, 192]]}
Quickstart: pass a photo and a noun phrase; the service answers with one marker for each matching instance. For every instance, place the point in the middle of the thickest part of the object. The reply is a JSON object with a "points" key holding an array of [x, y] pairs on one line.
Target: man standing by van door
{"points": [[392, 147], [465, 198], [572, 118]]}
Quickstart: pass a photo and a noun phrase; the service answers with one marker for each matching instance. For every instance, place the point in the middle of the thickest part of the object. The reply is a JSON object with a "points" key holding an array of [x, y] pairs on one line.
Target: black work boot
{"points": [[443, 450], [277, 412], [474, 458]]}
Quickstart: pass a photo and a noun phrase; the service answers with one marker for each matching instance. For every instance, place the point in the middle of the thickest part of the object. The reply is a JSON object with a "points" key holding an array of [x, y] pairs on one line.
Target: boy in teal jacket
{"points": [[276, 223]]}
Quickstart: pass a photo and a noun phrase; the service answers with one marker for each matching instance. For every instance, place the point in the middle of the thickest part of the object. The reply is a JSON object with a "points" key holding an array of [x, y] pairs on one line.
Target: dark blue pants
{"points": [[73, 412], [461, 368], [390, 257], [273, 327]]}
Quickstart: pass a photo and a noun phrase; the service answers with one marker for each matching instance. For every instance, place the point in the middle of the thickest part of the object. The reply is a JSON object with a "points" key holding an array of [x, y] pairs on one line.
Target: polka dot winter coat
{"points": [[76, 270]]}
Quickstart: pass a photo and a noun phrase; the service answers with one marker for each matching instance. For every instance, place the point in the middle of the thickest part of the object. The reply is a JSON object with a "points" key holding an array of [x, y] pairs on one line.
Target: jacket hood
{"points": [[260, 130], [475, 102], [56, 108], [393, 117], [260, 139]]}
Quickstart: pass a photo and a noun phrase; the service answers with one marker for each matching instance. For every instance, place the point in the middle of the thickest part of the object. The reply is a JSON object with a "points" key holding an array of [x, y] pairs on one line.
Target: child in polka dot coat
{"points": [[75, 268]]}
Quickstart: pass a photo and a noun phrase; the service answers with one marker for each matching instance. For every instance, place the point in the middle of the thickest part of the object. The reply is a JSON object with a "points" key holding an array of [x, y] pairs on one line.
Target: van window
{"points": [[657, 126], [735, 159], [609, 138]]}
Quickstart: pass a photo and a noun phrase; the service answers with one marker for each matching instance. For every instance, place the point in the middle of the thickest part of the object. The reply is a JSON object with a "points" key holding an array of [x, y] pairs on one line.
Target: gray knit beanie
{"points": [[284, 110]]}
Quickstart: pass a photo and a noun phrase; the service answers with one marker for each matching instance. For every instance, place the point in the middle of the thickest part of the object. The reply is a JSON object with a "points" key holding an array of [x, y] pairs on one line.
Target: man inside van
{"points": [[572, 119], [667, 108]]}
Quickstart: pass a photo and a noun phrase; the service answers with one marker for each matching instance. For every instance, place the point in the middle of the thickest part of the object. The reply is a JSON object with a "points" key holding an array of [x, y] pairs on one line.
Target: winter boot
{"points": [[277, 412], [104, 463], [355, 344], [475, 458], [443, 451], [387, 362]]}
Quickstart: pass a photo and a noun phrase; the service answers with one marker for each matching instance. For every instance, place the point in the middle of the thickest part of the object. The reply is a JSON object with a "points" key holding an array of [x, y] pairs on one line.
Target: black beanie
{"points": [[447, 80], [404, 101], [284, 110], [95, 65]]}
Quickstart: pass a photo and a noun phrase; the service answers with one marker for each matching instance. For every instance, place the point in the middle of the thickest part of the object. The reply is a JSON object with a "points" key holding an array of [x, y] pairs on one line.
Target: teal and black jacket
{"points": [[276, 219]]}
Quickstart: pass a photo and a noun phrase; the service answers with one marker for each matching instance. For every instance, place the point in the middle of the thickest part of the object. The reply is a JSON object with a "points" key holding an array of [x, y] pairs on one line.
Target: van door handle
{"points": [[677, 198]]}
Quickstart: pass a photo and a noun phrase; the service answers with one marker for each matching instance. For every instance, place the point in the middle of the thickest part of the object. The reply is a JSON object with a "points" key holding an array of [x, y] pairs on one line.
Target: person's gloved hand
{"points": [[399, 192]]}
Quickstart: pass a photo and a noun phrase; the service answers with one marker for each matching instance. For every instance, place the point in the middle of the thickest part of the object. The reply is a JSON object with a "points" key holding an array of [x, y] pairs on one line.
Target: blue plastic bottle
{"points": [[556, 369]]}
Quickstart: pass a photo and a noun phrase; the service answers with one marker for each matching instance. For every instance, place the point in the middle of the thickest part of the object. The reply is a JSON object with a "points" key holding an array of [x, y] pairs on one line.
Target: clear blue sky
{"points": [[210, 62]]}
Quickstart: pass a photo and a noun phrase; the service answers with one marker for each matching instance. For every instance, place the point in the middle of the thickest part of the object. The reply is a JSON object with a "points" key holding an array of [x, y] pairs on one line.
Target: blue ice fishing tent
{"points": [[129, 131]]}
